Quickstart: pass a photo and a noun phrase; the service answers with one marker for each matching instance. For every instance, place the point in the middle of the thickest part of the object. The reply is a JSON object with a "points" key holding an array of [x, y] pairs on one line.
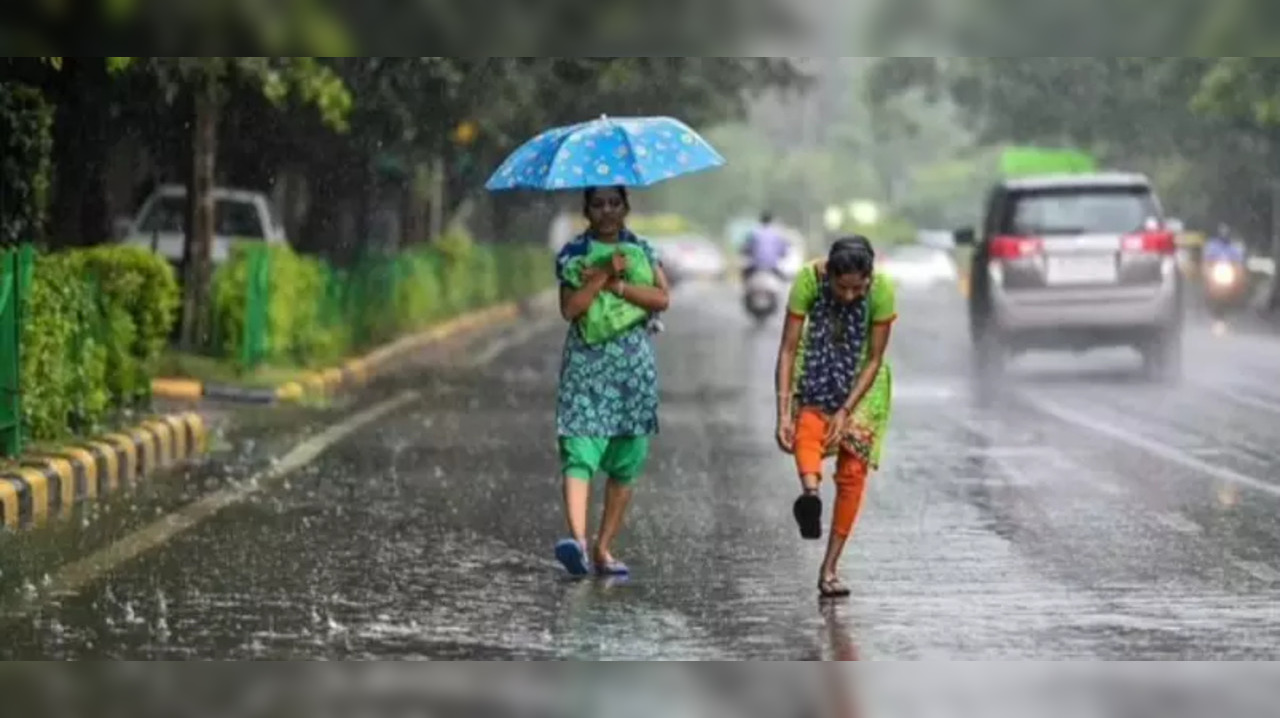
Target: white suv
{"points": [[1076, 262], [239, 215]]}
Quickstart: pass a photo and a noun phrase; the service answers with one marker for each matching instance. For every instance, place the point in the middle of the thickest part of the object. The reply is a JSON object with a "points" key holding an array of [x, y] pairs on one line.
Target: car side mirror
{"points": [[966, 236], [1175, 225]]}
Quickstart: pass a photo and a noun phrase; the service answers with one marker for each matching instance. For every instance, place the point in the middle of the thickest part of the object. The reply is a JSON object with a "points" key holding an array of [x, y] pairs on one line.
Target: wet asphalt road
{"points": [[1077, 512]]}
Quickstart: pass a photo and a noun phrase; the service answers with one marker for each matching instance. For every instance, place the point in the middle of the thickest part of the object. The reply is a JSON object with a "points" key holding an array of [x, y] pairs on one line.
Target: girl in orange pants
{"points": [[834, 388]]}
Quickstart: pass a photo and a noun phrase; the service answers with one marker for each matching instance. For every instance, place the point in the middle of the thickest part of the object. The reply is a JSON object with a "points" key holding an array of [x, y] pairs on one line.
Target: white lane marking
{"points": [[1249, 401], [1260, 571], [72, 578], [1261, 401], [1156, 448], [502, 344], [1037, 458]]}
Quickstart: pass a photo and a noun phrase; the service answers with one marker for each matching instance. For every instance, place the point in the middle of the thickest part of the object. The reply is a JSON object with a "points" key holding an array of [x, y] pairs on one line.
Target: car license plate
{"points": [[1099, 269]]}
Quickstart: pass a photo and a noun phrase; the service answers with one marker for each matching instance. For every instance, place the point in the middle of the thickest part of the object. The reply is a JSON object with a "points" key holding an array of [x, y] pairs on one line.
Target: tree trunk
{"points": [[436, 218], [198, 248]]}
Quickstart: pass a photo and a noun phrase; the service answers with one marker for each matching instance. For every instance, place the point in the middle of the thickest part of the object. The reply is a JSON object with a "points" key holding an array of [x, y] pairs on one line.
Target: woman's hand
{"points": [[594, 274], [575, 302], [786, 435], [836, 429], [618, 264]]}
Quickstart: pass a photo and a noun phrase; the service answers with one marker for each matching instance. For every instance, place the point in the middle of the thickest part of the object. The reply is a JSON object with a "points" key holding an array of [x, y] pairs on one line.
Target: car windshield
{"points": [[232, 218], [1087, 211]]}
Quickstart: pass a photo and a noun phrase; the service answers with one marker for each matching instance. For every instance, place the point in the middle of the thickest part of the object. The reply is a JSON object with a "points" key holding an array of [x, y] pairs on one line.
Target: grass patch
{"points": [[178, 365]]}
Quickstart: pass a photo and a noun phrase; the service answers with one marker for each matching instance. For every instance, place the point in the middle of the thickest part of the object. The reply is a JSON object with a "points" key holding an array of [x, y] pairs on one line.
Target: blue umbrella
{"points": [[628, 151]]}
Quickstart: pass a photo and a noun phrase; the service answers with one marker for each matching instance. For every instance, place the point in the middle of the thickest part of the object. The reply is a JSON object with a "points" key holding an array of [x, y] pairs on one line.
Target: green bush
{"points": [[318, 314], [295, 298], [139, 297], [95, 323], [64, 364]]}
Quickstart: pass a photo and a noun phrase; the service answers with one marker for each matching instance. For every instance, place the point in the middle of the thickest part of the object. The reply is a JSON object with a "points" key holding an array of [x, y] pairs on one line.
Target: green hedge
{"points": [[317, 315], [95, 324]]}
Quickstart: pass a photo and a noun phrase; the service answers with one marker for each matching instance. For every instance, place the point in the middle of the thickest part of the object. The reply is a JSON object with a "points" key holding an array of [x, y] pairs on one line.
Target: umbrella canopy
{"points": [[627, 151]]}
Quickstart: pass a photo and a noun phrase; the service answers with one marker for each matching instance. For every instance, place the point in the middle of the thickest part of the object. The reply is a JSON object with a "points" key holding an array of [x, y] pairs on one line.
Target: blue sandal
{"points": [[613, 569], [573, 556]]}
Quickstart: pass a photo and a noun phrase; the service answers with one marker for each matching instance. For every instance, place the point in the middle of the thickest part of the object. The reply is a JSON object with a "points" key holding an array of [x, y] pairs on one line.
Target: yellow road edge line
{"points": [[112, 460], [66, 479], [178, 428], [11, 504], [177, 388], [127, 445], [163, 442], [89, 466], [38, 485], [146, 440], [201, 430]]}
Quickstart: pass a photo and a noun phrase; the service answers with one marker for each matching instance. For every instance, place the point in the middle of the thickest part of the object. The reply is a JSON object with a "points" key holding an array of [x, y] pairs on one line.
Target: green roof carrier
{"points": [[1024, 161]]}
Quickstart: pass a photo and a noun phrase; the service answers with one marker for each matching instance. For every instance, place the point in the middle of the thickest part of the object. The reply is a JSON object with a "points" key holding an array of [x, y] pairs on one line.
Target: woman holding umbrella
{"points": [[835, 387], [611, 286], [607, 407]]}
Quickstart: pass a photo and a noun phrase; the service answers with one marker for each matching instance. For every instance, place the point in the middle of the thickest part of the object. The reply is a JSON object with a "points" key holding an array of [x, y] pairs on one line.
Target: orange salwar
{"points": [[851, 469]]}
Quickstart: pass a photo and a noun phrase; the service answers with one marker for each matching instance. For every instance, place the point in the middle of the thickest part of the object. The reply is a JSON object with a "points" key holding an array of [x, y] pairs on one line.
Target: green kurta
{"points": [[870, 419]]}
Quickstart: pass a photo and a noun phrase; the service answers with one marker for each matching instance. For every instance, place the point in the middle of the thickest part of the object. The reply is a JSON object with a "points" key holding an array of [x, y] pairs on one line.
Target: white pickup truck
{"points": [[239, 215]]}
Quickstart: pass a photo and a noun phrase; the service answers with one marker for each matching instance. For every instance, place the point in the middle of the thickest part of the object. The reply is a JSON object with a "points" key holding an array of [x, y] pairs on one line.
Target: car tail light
{"points": [[1015, 247], [1150, 243]]}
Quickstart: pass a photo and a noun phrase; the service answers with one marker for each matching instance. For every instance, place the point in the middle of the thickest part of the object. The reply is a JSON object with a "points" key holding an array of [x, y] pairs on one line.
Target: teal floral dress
{"points": [[608, 390]]}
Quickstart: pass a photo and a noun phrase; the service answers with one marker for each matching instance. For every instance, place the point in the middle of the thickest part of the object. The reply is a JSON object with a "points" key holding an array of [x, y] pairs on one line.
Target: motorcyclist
{"points": [[1225, 280], [1222, 247], [765, 248]]}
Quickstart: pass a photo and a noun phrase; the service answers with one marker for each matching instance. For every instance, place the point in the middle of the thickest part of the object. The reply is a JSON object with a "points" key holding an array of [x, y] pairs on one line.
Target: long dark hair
{"points": [[851, 255]]}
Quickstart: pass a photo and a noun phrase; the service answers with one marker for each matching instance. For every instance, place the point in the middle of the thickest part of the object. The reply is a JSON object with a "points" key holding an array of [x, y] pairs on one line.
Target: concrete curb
{"points": [[49, 483], [351, 374]]}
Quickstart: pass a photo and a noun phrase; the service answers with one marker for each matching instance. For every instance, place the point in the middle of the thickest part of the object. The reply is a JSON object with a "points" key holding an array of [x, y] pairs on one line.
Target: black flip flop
{"points": [[808, 513], [832, 588]]}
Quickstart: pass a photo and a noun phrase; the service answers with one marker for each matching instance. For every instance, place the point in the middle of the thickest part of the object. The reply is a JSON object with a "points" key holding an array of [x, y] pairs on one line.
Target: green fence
{"points": [[15, 276], [275, 306]]}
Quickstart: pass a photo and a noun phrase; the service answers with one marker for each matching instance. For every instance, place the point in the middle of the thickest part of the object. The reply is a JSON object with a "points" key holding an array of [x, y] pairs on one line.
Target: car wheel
{"points": [[1162, 357]]}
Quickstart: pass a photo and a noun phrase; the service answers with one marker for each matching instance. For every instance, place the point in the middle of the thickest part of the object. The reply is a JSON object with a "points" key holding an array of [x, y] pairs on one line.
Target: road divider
{"points": [[45, 484]]}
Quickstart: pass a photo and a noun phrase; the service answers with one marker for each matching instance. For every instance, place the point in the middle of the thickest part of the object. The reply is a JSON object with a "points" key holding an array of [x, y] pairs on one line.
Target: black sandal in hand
{"points": [[808, 514]]}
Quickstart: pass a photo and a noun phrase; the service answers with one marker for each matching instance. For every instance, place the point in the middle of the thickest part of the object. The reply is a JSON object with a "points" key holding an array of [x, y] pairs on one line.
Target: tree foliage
{"points": [[1201, 126], [26, 146]]}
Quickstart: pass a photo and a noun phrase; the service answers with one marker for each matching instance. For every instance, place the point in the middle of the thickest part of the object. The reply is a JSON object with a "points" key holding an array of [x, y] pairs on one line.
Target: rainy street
{"points": [[1074, 512]]}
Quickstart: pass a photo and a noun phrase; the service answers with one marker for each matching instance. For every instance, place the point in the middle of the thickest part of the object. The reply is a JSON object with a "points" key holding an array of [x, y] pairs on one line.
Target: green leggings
{"points": [[621, 458]]}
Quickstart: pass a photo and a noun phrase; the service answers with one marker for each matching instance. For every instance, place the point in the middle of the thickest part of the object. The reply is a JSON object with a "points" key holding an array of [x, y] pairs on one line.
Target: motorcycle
{"points": [[1226, 287], [764, 294]]}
